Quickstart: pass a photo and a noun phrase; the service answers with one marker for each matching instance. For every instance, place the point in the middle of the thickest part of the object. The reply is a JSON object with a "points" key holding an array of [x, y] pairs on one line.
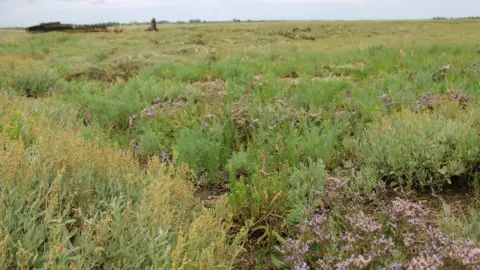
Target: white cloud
{"points": [[360, 2], [86, 1], [141, 3]]}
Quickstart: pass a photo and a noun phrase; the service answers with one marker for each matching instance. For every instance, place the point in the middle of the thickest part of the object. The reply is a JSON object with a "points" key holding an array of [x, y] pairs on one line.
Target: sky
{"points": [[31, 12]]}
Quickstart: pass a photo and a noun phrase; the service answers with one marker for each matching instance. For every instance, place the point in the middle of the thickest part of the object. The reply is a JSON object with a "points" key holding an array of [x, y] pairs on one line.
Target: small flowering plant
{"points": [[400, 237], [18, 128]]}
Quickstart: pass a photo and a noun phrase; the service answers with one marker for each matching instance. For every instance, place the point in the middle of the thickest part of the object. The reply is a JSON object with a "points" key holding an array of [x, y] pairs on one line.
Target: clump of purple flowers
{"points": [[429, 101], [406, 211], [363, 223], [352, 239], [295, 253]]}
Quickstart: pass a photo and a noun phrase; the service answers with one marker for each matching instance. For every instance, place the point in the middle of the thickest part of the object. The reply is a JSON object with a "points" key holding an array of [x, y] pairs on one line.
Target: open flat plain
{"points": [[280, 145]]}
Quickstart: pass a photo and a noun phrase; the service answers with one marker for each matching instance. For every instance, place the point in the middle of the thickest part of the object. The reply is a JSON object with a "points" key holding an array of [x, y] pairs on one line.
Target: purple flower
{"points": [[222, 94], [408, 239], [316, 223], [426, 261], [301, 266], [401, 209], [396, 266], [383, 245], [204, 126], [359, 262], [363, 223], [295, 252], [350, 240]]}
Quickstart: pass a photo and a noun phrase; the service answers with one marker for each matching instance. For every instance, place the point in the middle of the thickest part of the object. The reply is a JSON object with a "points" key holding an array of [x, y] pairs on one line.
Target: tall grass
{"points": [[68, 201]]}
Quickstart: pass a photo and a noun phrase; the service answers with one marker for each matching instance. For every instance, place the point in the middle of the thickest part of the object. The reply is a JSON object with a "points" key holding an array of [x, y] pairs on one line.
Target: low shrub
{"points": [[418, 151], [201, 150], [31, 80], [261, 198], [321, 143], [305, 183], [461, 223], [71, 202], [242, 163]]}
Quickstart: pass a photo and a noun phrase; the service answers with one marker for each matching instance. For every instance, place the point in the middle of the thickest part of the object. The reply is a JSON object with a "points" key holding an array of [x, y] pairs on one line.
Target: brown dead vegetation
{"points": [[159, 106], [119, 70], [92, 73], [210, 84], [429, 101], [296, 81]]}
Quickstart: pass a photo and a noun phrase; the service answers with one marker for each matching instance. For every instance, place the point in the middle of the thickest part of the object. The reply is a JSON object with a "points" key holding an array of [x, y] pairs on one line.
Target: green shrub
{"points": [[260, 198], [180, 89], [321, 95], [151, 141], [463, 224], [71, 202], [418, 151], [32, 80], [201, 150], [242, 163], [323, 144], [305, 182], [113, 108]]}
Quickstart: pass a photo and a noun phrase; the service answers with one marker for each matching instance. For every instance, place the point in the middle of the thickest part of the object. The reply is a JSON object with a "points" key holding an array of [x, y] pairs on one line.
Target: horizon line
{"points": [[200, 21]]}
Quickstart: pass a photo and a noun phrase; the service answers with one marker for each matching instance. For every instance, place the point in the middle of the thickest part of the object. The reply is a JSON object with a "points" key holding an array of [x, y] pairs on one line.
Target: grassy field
{"points": [[326, 145]]}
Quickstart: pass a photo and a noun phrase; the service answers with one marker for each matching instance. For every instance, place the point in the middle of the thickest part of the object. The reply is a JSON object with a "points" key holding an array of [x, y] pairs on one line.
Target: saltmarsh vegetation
{"points": [[70, 200], [240, 146]]}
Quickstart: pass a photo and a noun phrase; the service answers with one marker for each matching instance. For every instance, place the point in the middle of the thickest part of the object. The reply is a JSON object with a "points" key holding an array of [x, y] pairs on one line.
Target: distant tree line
{"points": [[235, 20], [461, 18], [198, 21], [49, 23], [109, 24], [191, 21]]}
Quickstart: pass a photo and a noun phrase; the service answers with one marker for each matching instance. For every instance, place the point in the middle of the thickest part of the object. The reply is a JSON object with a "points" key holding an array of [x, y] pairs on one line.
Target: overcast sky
{"points": [[30, 12]]}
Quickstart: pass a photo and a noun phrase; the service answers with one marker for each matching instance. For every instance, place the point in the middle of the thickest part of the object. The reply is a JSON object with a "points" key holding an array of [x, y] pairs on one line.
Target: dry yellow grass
{"points": [[61, 157]]}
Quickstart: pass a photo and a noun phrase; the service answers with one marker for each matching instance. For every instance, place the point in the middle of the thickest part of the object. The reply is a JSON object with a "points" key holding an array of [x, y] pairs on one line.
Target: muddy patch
{"points": [[92, 73], [209, 194], [212, 85]]}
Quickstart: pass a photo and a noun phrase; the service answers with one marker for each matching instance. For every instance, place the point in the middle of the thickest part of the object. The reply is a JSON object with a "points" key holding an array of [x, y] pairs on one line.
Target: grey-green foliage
{"points": [[54, 222], [307, 179], [33, 81], [305, 184], [419, 150], [464, 225]]}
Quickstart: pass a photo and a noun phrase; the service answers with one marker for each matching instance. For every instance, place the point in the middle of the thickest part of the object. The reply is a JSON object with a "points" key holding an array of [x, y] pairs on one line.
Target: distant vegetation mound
{"points": [[57, 26]]}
